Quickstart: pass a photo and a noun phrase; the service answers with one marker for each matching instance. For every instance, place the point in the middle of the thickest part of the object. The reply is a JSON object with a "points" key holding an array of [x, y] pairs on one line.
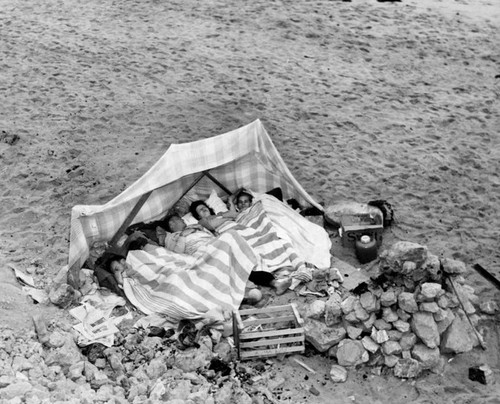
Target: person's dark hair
{"points": [[243, 193], [165, 223], [137, 244], [193, 207], [105, 260]]}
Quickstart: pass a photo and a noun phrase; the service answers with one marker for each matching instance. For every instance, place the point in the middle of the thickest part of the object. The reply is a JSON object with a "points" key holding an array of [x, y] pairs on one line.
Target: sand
{"points": [[364, 100]]}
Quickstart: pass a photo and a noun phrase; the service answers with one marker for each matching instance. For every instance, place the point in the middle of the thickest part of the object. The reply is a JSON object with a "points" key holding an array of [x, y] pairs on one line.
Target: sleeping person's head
{"points": [[243, 200], [200, 210], [175, 223]]}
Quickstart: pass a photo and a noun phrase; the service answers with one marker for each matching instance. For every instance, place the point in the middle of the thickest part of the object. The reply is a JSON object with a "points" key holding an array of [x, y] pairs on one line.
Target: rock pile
{"points": [[48, 367], [406, 319]]}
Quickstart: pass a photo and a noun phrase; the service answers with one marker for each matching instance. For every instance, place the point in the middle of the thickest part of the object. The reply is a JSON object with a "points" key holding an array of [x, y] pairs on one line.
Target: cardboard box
{"points": [[269, 331], [352, 227]]}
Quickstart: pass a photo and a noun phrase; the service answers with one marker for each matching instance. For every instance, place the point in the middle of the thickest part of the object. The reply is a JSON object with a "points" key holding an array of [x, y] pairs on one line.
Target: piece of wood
{"points": [[265, 310], [487, 275], [304, 365], [268, 342], [272, 333], [216, 181], [270, 320], [270, 352], [131, 216]]}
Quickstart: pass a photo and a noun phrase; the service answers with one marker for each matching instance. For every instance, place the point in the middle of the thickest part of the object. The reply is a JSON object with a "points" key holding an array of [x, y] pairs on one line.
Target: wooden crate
{"points": [[268, 331]]}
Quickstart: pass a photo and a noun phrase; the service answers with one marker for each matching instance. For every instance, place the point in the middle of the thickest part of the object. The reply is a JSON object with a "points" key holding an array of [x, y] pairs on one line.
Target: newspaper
{"points": [[96, 323]]}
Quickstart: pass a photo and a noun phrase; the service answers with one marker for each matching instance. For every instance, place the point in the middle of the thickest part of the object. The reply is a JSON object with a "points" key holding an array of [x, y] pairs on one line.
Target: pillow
{"points": [[216, 203], [189, 219]]}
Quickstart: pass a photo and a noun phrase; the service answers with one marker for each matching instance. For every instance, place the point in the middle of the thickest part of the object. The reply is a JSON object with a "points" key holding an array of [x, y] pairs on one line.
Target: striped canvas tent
{"points": [[245, 157]]}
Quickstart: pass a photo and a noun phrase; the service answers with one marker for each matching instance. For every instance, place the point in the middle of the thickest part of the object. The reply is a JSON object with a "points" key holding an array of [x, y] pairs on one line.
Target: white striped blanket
{"points": [[254, 225], [182, 287]]}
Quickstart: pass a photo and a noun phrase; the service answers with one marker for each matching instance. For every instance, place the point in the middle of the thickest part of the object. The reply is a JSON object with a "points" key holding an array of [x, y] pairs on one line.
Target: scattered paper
{"points": [[25, 279]]}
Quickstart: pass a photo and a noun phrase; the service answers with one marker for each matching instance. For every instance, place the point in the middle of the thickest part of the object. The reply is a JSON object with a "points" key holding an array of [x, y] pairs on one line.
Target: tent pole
{"points": [[133, 213], [216, 181]]}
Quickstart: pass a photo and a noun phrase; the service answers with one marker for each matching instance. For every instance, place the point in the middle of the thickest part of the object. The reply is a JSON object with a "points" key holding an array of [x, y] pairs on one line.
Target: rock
{"points": [[401, 325], [179, 389], [321, 336], [409, 268], [430, 290], [62, 296], [223, 394], [433, 267], [407, 368], [347, 304], [392, 260], [333, 310], [76, 370], [338, 374], [156, 368], [240, 396], [453, 267], [369, 344], [403, 315], [315, 310], [66, 355], [394, 335], [382, 324], [391, 348], [391, 360], [388, 298], [467, 297], [353, 332], [104, 394], [446, 318], [223, 350], [429, 307], [389, 315], [360, 312], [369, 302], [459, 337], [158, 390], [428, 357], [379, 336], [201, 396], [407, 341], [489, 307], [368, 324], [407, 302], [351, 353], [443, 301], [424, 326], [16, 389], [193, 359], [20, 363]]}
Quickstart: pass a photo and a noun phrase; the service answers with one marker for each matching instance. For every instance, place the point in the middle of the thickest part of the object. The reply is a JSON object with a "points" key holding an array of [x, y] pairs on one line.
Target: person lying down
{"points": [[208, 286]]}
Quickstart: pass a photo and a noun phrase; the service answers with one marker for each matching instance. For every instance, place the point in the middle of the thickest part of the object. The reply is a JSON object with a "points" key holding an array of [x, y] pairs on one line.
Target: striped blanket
{"points": [[183, 287], [256, 228]]}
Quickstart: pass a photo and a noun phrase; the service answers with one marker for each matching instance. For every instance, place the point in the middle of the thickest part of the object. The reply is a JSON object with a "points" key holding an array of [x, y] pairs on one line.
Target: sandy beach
{"points": [[364, 100]]}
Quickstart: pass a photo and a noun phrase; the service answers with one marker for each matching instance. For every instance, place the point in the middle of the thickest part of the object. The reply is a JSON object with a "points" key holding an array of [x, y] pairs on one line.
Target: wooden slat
{"points": [[297, 314], [271, 333], [289, 317], [270, 352], [269, 342], [266, 310]]}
